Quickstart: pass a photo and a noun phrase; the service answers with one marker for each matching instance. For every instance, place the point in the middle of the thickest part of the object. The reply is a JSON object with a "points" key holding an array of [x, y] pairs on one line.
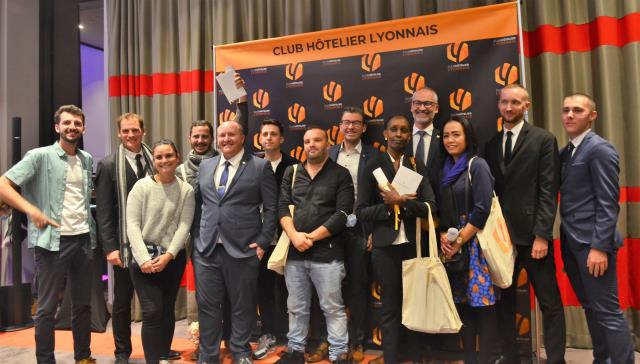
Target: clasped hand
{"points": [[301, 241], [390, 196], [157, 264]]}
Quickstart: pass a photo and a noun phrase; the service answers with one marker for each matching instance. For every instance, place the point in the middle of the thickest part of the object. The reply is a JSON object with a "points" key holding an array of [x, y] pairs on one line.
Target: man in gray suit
{"points": [[589, 192], [230, 236]]}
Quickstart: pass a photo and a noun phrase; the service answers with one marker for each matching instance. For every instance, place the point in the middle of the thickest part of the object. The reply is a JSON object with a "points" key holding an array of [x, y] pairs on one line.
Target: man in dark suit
{"points": [[230, 236], [424, 143], [116, 175], [353, 154], [524, 162], [589, 192]]}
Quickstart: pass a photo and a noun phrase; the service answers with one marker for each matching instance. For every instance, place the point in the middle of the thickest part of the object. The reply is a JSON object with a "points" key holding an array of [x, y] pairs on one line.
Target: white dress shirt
{"points": [[402, 235], [350, 160], [131, 158], [516, 131], [426, 138], [234, 163], [578, 140]]}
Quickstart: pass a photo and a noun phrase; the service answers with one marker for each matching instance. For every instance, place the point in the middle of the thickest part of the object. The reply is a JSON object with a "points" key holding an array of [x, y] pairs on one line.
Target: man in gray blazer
{"points": [[230, 235], [589, 192]]}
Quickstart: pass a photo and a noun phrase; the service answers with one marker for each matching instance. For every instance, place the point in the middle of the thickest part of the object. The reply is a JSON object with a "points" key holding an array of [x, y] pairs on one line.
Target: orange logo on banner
{"points": [[457, 52], [332, 91], [381, 147], [506, 74], [413, 82], [523, 278], [334, 135], [522, 325], [499, 122], [376, 336], [373, 107], [256, 141], [294, 71], [226, 115], [261, 99], [299, 154], [371, 62], [375, 290], [460, 100], [296, 113]]}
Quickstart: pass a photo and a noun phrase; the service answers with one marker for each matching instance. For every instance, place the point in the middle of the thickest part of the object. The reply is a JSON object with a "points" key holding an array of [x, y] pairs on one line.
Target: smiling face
{"points": [[270, 138], [454, 139], [398, 134], [578, 113], [424, 107], [352, 127], [70, 127], [513, 104], [230, 139], [165, 159], [130, 134], [200, 139], [315, 145]]}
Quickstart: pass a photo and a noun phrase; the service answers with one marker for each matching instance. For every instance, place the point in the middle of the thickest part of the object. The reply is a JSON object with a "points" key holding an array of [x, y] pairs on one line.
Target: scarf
{"points": [[452, 171], [188, 170], [121, 189]]}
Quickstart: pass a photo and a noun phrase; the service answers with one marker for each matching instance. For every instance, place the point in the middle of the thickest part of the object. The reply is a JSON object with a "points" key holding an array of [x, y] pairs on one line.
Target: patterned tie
{"points": [[507, 148], [420, 149], [139, 167], [223, 179]]}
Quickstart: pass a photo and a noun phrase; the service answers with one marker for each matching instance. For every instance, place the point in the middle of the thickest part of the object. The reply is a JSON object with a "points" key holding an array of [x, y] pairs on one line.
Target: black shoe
{"points": [[172, 355], [121, 360], [294, 357]]}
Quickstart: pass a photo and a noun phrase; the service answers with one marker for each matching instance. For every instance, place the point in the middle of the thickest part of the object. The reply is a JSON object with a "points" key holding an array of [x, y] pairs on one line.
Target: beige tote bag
{"points": [[496, 245], [427, 301], [278, 258]]}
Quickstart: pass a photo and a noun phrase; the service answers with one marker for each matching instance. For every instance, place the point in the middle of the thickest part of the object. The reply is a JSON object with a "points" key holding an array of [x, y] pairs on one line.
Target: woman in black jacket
{"points": [[391, 219]]}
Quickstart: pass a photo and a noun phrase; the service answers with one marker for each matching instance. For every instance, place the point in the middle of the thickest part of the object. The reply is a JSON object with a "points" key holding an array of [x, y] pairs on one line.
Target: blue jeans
{"points": [[327, 280]]}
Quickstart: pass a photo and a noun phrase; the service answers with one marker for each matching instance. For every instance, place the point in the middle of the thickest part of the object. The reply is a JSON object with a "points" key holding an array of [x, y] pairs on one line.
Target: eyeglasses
{"points": [[351, 123], [426, 104]]}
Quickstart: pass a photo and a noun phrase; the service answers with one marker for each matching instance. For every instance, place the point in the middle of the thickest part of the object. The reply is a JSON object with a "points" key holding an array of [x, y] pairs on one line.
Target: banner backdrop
{"points": [[466, 56]]}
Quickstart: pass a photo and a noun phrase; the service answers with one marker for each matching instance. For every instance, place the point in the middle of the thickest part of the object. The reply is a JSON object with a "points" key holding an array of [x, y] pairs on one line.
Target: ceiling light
{"points": [[80, 26]]}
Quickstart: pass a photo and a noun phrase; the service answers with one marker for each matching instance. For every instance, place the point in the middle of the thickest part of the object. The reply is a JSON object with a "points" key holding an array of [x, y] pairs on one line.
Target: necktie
{"points": [[223, 180], [420, 149], [139, 167], [570, 149], [507, 148]]}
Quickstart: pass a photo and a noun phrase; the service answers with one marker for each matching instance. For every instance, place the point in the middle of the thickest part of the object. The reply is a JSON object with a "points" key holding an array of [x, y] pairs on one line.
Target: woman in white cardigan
{"points": [[160, 210]]}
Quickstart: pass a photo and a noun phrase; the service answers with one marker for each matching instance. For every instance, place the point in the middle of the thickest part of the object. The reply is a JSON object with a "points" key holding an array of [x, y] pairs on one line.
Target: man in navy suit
{"points": [[589, 192], [230, 236], [424, 143]]}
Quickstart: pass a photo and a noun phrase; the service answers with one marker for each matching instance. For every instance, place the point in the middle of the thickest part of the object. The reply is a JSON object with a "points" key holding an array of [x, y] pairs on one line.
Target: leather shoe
{"points": [[357, 353], [121, 360], [172, 355], [377, 360], [321, 353], [88, 360]]}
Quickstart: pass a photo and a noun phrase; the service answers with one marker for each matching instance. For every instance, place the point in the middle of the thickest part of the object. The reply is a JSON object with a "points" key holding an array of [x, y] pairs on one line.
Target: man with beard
{"points": [[323, 197], [525, 164], [56, 184]]}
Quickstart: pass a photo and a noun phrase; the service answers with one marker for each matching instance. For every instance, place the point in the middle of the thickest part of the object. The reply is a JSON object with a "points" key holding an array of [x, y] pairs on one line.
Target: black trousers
{"points": [[218, 276], [121, 311], [599, 297], [272, 299], [481, 322], [157, 293], [357, 283], [387, 264], [72, 261], [542, 274]]}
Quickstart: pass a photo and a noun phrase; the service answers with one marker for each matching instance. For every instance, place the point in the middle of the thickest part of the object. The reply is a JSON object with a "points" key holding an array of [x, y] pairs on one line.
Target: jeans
{"points": [[327, 280]]}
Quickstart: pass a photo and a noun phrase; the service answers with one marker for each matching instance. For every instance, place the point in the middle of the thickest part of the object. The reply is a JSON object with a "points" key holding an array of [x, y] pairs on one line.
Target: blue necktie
{"points": [[223, 179], [420, 149]]}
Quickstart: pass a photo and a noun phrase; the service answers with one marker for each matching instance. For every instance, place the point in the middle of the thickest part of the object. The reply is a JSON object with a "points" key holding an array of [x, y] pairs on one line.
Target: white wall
{"points": [[95, 103]]}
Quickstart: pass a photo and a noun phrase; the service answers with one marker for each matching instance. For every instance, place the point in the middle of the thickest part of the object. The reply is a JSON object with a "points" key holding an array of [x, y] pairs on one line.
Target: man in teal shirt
{"points": [[56, 184]]}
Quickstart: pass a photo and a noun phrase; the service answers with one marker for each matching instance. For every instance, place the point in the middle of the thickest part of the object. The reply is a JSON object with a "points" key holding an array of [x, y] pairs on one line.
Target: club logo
{"points": [[413, 82], [371, 62], [457, 52], [256, 141], [375, 290], [522, 325], [226, 115], [506, 74], [296, 113], [332, 91], [460, 100], [499, 123], [334, 135], [376, 336], [299, 154], [294, 71], [373, 107], [379, 146], [260, 99]]}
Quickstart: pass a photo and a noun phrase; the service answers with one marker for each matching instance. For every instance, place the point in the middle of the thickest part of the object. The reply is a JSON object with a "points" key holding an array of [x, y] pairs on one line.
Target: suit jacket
{"points": [[107, 207], [434, 160], [589, 193], [235, 218], [528, 186], [371, 209], [368, 152]]}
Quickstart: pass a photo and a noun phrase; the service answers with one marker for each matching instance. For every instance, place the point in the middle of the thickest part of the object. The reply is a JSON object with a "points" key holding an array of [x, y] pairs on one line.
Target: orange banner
{"points": [[485, 22]]}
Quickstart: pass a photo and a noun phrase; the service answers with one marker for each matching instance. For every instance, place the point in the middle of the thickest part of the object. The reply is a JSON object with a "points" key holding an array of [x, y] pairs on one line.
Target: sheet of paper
{"points": [[406, 181], [378, 174], [228, 85]]}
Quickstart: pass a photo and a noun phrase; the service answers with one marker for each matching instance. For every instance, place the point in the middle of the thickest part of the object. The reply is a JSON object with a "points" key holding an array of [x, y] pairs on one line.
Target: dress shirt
{"points": [[131, 158], [401, 238], [350, 160], [234, 163], [578, 140], [426, 138], [516, 131], [274, 164]]}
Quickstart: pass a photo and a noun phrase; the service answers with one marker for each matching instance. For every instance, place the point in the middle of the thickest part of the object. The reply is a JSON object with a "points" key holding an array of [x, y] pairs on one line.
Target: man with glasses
{"points": [[424, 145]]}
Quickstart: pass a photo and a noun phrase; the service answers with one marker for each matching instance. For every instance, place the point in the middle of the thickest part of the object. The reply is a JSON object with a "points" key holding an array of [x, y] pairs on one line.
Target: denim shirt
{"points": [[42, 175]]}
